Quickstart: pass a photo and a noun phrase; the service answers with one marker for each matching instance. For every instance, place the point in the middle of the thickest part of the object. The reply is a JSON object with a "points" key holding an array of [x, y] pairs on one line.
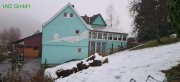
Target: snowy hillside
{"points": [[125, 65]]}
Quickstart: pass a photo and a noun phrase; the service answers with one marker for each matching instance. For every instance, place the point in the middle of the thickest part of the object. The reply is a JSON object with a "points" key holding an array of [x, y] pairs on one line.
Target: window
{"points": [[99, 35], [98, 49], [71, 14], [90, 36], [105, 36], [79, 49], [110, 37], [94, 35], [119, 37], [77, 31], [65, 14], [68, 15], [124, 37], [115, 37], [92, 47]]}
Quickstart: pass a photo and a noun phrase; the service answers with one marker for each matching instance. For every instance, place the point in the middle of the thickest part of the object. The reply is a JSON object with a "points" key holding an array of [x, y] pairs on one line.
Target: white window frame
{"points": [[122, 37], [111, 36], [107, 36], [119, 36], [115, 36], [90, 35], [98, 33]]}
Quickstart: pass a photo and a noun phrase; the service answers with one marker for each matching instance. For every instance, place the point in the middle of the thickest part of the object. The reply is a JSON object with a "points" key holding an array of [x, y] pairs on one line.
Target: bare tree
{"points": [[14, 34], [112, 18], [3, 40], [7, 36]]}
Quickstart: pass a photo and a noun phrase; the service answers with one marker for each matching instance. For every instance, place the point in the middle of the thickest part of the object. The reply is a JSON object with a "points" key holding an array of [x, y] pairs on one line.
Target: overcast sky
{"points": [[29, 20]]}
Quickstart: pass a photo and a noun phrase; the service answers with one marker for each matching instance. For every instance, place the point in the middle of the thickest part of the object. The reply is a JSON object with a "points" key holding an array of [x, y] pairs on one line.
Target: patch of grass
{"points": [[172, 73], [153, 43]]}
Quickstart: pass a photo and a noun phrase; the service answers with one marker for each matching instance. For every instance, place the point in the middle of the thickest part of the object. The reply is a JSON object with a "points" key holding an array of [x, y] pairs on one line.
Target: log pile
{"points": [[92, 61]]}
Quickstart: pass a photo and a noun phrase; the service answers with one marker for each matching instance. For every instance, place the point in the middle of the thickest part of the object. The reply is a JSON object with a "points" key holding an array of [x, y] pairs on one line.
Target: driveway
{"points": [[30, 68], [5, 67]]}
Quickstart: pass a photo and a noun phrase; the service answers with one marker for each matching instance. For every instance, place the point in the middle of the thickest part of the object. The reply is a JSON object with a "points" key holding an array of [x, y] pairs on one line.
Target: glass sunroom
{"points": [[103, 42]]}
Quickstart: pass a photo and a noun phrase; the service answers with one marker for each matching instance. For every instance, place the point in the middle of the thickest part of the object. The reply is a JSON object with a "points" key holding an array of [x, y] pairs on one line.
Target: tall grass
{"points": [[153, 43]]}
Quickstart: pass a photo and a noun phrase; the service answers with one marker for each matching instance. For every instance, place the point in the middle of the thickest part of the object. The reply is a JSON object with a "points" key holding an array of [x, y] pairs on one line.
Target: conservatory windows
{"points": [[124, 38], [107, 36], [104, 36], [94, 35], [119, 37], [115, 37], [99, 35], [110, 37]]}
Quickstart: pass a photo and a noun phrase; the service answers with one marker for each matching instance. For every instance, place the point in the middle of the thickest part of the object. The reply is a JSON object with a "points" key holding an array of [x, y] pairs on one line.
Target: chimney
{"points": [[73, 6]]}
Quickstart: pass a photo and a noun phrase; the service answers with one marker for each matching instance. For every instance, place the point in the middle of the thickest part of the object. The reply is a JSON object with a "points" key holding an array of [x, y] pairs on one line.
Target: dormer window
{"points": [[68, 15]]}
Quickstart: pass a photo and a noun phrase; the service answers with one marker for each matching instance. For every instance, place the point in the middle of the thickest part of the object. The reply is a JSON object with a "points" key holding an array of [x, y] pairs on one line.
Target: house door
{"points": [[97, 47]]}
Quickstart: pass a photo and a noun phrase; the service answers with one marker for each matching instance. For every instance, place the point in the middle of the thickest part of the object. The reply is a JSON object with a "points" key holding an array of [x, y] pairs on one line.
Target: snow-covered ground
{"points": [[126, 65]]}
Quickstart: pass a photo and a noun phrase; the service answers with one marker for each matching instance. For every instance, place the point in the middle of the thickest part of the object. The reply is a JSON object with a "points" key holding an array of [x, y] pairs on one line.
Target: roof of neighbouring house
{"points": [[90, 20], [85, 19], [20, 40]]}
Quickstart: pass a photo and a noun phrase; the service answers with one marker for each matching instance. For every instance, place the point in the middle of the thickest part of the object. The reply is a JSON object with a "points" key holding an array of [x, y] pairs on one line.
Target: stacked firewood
{"points": [[92, 61]]}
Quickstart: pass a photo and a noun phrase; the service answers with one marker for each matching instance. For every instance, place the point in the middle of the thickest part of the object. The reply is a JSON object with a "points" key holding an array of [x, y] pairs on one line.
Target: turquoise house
{"points": [[68, 36]]}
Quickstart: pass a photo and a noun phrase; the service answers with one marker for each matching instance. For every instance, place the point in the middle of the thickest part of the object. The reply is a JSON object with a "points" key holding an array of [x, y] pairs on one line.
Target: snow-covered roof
{"points": [[90, 20], [67, 5], [107, 29]]}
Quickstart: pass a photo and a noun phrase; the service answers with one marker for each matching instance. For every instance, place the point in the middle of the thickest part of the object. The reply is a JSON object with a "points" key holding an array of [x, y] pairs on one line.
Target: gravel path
{"points": [[30, 68], [5, 67]]}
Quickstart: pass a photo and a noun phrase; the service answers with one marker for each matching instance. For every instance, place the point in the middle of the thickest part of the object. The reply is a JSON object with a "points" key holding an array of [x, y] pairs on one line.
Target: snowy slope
{"points": [[125, 65]]}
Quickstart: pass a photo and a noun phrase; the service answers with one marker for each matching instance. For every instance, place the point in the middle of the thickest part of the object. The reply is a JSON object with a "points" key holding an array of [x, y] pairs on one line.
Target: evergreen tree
{"points": [[150, 19], [174, 14]]}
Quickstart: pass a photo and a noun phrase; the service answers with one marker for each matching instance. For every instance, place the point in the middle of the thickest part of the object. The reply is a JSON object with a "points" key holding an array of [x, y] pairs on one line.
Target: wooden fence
{"points": [[152, 79]]}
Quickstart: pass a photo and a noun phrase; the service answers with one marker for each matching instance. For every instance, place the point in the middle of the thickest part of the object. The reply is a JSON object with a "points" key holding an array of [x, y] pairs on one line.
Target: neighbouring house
{"points": [[68, 36], [30, 46]]}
